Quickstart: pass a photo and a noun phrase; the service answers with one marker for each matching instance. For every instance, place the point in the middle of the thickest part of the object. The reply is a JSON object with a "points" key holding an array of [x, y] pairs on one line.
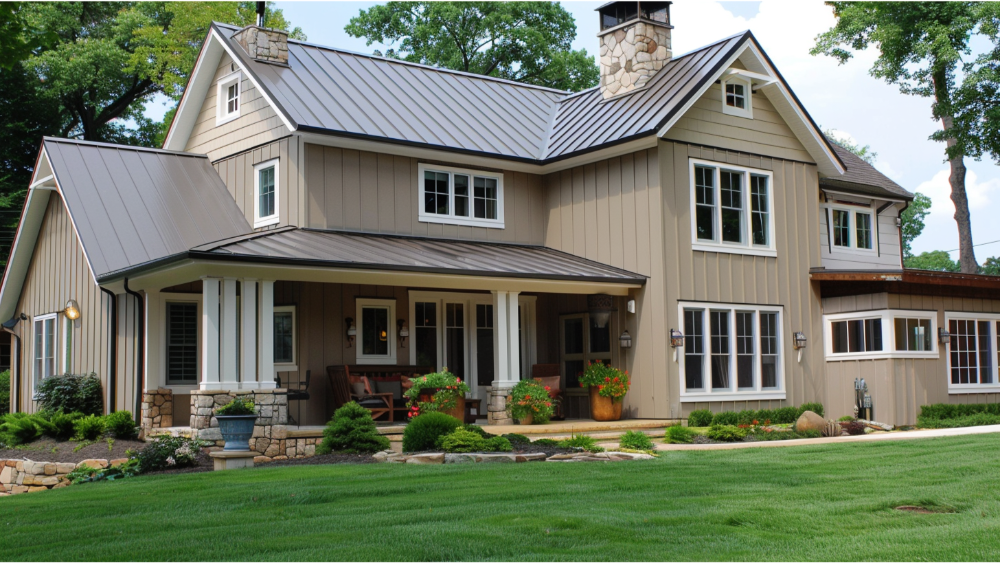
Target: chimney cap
{"points": [[261, 10], [618, 13]]}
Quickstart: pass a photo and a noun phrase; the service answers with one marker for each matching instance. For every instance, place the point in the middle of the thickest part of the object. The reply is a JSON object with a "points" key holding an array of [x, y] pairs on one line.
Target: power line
{"points": [[975, 245]]}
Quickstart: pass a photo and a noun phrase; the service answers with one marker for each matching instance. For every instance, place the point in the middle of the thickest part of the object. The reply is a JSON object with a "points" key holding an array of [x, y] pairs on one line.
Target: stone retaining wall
{"points": [[157, 409], [26, 476]]}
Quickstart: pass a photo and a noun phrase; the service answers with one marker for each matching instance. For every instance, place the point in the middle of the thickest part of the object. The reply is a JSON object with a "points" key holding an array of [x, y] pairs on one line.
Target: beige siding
{"points": [[365, 191], [886, 258], [238, 174], [765, 134], [257, 124], [643, 200], [59, 272], [899, 387]]}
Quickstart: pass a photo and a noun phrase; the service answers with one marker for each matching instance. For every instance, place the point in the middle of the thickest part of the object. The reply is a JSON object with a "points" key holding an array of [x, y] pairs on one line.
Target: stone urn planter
{"points": [[236, 430], [604, 408]]}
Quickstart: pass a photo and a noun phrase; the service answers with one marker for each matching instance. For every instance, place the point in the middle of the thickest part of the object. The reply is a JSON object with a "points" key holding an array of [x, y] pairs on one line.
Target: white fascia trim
{"points": [[256, 84], [748, 396], [701, 92], [859, 196]]}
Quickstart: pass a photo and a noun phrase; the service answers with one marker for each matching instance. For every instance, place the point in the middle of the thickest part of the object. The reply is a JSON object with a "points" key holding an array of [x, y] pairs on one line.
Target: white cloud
{"points": [[940, 229]]}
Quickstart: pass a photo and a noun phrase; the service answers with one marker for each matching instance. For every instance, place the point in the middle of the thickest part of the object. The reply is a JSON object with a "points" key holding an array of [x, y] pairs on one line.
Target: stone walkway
{"points": [[907, 435]]}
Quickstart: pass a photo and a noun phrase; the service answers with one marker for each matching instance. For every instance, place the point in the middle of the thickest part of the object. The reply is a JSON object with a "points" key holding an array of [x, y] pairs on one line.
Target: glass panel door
{"points": [[425, 334], [454, 338]]}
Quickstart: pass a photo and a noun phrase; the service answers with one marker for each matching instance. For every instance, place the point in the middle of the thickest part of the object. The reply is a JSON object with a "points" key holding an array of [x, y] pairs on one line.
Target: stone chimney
{"points": [[635, 44], [263, 44]]}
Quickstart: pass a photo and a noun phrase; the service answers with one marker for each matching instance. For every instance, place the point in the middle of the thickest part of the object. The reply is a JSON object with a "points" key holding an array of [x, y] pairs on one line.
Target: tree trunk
{"points": [[966, 252]]}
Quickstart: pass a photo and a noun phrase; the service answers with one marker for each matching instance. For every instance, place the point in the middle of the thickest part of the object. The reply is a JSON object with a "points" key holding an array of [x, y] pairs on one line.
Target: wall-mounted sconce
{"points": [[799, 342], [351, 331], [944, 337], [676, 341], [402, 332], [625, 340], [72, 310]]}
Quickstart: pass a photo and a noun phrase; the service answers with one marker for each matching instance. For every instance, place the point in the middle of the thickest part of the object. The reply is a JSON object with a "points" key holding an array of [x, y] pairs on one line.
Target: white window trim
{"points": [[360, 304], [451, 219], [166, 298], [888, 317], [748, 89], [852, 228], [968, 388], [66, 356], [729, 247], [272, 219], [293, 365], [758, 394], [35, 376], [221, 99]]}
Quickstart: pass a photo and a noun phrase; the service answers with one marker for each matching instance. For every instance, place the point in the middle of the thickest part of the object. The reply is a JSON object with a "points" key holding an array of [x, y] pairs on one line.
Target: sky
{"points": [[843, 98]]}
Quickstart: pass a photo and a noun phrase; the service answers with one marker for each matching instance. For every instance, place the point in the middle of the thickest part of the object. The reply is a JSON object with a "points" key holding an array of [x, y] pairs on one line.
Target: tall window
{"points": [[971, 358], [485, 370], [731, 209], [841, 228], [266, 190], [864, 224], [425, 333], [182, 343], [284, 336], [730, 351], [460, 197], [44, 328], [583, 342], [228, 98], [454, 336], [852, 229], [376, 331]]}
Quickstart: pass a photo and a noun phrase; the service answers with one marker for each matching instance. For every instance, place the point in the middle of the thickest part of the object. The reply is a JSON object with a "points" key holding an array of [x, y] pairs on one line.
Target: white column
{"points": [[210, 333], [513, 339], [155, 376], [229, 342], [501, 355], [266, 295], [248, 336]]}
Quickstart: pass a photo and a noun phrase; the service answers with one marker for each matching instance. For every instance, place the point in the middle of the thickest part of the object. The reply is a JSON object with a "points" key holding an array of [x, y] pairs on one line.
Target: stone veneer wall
{"points": [[269, 45], [631, 55], [496, 406], [270, 434], [157, 409]]}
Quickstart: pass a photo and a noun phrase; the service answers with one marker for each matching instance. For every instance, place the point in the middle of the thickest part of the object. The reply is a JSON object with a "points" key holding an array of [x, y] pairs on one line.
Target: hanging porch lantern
{"points": [[600, 306]]}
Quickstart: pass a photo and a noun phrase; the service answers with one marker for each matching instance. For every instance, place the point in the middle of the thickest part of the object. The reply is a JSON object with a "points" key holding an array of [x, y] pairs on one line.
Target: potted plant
{"points": [[440, 391], [607, 386], [530, 403], [236, 420]]}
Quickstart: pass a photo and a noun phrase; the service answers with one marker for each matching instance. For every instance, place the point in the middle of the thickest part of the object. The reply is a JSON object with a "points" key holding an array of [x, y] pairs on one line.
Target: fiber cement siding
{"points": [[238, 174], [258, 123], [886, 258]]}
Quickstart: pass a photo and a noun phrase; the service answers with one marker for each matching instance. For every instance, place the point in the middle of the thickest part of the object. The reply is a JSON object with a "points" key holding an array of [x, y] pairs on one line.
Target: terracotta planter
{"points": [[527, 419], [427, 395], [604, 408]]}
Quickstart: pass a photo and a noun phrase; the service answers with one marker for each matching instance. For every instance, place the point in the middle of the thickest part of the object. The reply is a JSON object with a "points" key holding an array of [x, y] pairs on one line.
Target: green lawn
{"points": [[792, 503]]}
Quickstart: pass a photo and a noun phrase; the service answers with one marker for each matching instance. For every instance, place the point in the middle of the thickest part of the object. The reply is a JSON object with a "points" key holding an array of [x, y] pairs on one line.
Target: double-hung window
{"points": [[731, 209], [885, 333], [265, 203], [228, 98], [284, 338], [45, 345], [973, 352], [460, 197], [730, 352], [852, 228]]}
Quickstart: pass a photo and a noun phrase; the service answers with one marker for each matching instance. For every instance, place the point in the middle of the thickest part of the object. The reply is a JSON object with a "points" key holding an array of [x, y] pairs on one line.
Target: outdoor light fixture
{"points": [[383, 335], [625, 340], [799, 342], [676, 338], [402, 332], [72, 310], [351, 331], [944, 337], [599, 306]]}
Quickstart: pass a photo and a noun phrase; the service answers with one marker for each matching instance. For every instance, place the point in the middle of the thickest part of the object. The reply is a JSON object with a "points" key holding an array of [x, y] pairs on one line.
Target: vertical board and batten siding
{"points": [[899, 387], [638, 205], [378, 193], [887, 256], [257, 124], [238, 174], [59, 272]]}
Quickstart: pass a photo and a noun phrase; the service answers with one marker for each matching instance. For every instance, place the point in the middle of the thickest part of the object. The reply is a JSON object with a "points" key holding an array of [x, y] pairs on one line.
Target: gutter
{"points": [[141, 345], [113, 352]]}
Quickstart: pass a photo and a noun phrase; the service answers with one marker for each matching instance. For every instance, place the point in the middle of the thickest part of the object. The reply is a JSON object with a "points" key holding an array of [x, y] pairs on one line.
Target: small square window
{"points": [[737, 96]]}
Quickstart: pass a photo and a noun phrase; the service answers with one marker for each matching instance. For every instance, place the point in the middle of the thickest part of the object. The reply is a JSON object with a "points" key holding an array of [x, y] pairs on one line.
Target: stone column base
{"points": [[232, 460], [157, 409], [270, 432], [496, 406]]}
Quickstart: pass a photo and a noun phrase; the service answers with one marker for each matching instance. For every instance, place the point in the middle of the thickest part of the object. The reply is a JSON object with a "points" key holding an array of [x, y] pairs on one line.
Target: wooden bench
{"points": [[380, 403]]}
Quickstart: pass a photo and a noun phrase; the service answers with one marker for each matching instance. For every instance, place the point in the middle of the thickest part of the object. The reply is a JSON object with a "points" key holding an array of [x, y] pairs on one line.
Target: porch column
{"points": [[500, 336], [266, 354], [248, 336], [513, 338], [506, 352], [210, 334], [228, 333]]}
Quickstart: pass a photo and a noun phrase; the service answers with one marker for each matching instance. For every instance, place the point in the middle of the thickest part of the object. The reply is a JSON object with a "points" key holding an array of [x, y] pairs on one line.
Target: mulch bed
{"points": [[533, 449], [47, 449]]}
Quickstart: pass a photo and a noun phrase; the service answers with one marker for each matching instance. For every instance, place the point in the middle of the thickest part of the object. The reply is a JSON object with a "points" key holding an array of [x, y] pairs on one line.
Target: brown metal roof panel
{"points": [[149, 235]]}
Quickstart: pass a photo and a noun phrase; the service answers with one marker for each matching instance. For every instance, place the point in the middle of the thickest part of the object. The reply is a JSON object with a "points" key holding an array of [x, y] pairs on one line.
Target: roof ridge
{"points": [[48, 139], [417, 65]]}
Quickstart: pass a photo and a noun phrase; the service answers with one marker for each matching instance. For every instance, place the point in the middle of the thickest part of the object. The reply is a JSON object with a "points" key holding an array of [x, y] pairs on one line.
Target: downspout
{"points": [[141, 346], [113, 353], [15, 360]]}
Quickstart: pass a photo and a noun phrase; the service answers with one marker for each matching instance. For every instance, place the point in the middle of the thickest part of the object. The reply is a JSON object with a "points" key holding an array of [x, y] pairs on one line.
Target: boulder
{"points": [[522, 458], [93, 463], [426, 459], [495, 458], [810, 421], [459, 458]]}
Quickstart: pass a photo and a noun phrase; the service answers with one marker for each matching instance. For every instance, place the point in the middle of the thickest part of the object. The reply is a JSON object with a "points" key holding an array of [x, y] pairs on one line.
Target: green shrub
{"points": [[726, 433], [236, 407], [87, 474], [89, 427], [72, 393], [977, 419], [18, 428], [547, 443], [120, 425], [4, 392], [462, 441], [517, 438], [678, 434], [784, 435], [478, 430], [498, 444], [700, 417], [725, 419], [635, 440], [167, 452], [814, 407], [581, 441], [944, 411], [352, 430], [530, 398], [785, 415], [845, 418], [423, 431], [60, 424]]}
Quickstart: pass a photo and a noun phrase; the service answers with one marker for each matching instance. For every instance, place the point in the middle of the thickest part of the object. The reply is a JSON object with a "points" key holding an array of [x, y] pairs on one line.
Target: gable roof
{"points": [[862, 178], [336, 92]]}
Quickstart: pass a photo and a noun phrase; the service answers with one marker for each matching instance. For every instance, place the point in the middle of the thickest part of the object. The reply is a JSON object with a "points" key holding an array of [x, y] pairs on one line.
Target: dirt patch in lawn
{"points": [[933, 509], [47, 449]]}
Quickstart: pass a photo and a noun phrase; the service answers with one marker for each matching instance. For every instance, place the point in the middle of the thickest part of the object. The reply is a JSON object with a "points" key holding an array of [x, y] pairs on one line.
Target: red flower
{"points": [[755, 422], [616, 380], [547, 388], [600, 387], [548, 404], [581, 384]]}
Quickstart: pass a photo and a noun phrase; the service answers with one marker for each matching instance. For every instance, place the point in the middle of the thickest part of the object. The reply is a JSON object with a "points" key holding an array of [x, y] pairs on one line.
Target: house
{"points": [[686, 220]]}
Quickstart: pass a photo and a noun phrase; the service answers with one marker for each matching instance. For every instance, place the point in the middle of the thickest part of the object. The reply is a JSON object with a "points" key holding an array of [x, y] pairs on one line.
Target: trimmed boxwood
{"points": [[423, 431], [352, 430], [700, 417], [728, 418]]}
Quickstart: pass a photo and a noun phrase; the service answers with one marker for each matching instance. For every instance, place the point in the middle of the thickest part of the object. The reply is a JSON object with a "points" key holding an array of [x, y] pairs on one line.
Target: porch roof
{"points": [[311, 247]]}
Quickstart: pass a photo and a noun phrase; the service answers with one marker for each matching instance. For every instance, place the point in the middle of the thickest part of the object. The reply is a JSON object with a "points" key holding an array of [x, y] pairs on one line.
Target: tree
{"points": [[865, 153], [522, 41], [991, 267], [921, 45], [913, 222], [937, 260]]}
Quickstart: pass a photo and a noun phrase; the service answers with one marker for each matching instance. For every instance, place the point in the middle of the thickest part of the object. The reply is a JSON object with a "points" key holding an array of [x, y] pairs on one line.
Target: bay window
{"points": [[730, 352], [731, 209], [885, 333], [460, 197]]}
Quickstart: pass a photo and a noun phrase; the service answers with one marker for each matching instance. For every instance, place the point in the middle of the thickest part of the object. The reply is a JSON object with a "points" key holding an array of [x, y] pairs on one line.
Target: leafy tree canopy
{"points": [[991, 267], [938, 260], [523, 41], [913, 221]]}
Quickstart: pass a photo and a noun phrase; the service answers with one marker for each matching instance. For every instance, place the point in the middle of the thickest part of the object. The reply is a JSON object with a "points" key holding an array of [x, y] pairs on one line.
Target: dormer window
{"points": [[460, 197], [228, 98], [736, 92]]}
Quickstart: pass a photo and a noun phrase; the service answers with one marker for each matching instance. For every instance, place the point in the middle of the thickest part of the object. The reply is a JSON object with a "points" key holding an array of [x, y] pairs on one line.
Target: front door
{"points": [[581, 341]]}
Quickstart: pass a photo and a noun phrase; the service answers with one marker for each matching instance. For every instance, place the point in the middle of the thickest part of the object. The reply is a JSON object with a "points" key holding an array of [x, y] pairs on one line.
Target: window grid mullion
{"points": [[758, 359]]}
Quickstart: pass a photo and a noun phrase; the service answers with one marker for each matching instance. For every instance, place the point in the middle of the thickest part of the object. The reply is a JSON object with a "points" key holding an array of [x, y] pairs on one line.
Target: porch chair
{"points": [[548, 375], [380, 404], [299, 394]]}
